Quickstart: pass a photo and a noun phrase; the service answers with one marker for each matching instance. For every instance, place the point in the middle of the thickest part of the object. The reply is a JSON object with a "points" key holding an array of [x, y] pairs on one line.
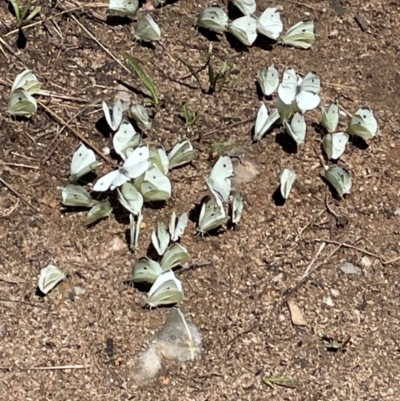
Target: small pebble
{"points": [[350, 268]]}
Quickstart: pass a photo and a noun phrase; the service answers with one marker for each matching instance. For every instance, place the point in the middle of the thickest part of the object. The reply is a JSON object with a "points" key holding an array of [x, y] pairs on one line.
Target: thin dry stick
{"points": [[16, 193], [21, 165], [10, 280], [76, 133], [65, 367], [388, 262], [223, 129], [100, 44], [321, 248], [12, 208], [44, 92], [345, 245]]}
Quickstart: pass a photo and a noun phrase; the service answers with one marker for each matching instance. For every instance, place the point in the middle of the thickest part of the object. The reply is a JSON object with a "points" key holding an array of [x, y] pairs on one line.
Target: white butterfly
{"points": [[300, 35], [134, 230], [130, 198], [212, 216], [218, 182], [244, 29], [22, 104], [335, 144], [154, 185], [100, 210], [160, 238], [175, 255], [27, 81], [330, 117], [140, 114], [177, 225], [124, 7], [147, 29], [134, 166], [113, 115], [303, 91], [49, 277], [166, 290], [83, 161], [363, 124], [339, 178], [268, 79], [237, 205], [182, 153], [269, 23], [297, 128], [125, 139], [159, 158], [264, 121], [288, 177], [146, 270], [286, 111], [76, 196], [247, 7], [213, 18]]}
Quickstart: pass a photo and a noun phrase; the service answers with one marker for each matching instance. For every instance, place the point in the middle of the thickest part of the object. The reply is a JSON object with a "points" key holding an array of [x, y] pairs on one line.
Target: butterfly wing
{"points": [[330, 117], [182, 153], [105, 182], [300, 35], [176, 255], [130, 198], [83, 161], [335, 144], [166, 290], [147, 29], [76, 196], [244, 29], [146, 270], [126, 137], [307, 101], [297, 128], [26, 80], [288, 177], [363, 124], [264, 122], [218, 181], [155, 186], [22, 104], [288, 87], [212, 216], [269, 23], [177, 225], [124, 7], [268, 78], [160, 238], [214, 19], [137, 163], [247, 7]]}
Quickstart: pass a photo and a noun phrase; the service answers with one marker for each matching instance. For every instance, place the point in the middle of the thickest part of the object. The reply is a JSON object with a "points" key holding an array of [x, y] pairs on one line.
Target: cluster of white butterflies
{"points": [[141, 178], [22, 103], [166, 289], [247, 28], [147, 29], [213, 213], [295, 97]]}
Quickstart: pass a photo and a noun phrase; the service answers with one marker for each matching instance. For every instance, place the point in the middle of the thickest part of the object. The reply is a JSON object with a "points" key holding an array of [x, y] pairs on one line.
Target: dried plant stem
{"points": [[16, 193]]}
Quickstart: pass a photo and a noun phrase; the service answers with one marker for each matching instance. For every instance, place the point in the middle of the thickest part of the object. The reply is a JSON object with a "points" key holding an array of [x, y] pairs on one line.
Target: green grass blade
{"points": [[33, 14], [17, 13], [147, 81]]}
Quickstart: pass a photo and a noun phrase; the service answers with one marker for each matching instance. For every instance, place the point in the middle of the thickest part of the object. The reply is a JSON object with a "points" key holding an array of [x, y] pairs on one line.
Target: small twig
{"points": [[388, 262], [65, 367], [10, 280], [16, 193], [345, 245], [76, 133], [44, 92], [222, 129], [12, 208], [306, 273], [195, 266], [22, 165]]}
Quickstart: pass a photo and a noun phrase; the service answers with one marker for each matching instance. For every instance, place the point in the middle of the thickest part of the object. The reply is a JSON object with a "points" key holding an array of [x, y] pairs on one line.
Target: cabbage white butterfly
{"points": [[300, 35], [335, 144], [213, 18], [134, 166], [264, 121], [177, 225], [140, 114], [130, 198], [182, 153], [49, 277], [297, 128], [147, 29], [100, 210], [212, 216], [27, 81], [175, 255], [247, 7], [303, 91], [288, 177], [237, 205], [269, 23], [339, 178], [330, 117], [125, 139], [244, 29], [268, 79], [155, 186], [146, 270], [160, 238], [22, 104], [83, 162], [134, 230], [285, 111], [113, 115], [76, 196], [124, 7], [166, 290], [159, 158], [218, 182], [363, 124]]}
